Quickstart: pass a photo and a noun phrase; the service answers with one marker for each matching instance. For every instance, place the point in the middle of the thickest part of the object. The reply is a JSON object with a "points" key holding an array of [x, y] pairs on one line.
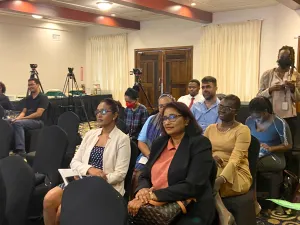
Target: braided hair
{"points": [[292, 53]]}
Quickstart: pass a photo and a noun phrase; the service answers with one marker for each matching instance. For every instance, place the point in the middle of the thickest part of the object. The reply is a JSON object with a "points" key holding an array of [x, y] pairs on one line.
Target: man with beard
{"points": [[279, 85], [206, 111], [30, 118], [193, 96]]}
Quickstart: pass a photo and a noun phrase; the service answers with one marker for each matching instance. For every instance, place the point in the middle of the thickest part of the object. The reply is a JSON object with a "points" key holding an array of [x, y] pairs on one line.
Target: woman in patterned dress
{"points": [[104, 152]]}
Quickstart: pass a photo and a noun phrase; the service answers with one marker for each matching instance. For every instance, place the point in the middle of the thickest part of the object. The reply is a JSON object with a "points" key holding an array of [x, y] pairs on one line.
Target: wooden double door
{"points": [[164, 70]]}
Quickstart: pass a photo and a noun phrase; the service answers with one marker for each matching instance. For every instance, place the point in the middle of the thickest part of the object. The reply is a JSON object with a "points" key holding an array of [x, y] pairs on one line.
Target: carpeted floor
{"points": [[269, 217]]}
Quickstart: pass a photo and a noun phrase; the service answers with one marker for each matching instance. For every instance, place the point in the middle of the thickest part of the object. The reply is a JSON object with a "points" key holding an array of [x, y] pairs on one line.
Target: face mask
{"points": [[284, 62], [130, 105]]}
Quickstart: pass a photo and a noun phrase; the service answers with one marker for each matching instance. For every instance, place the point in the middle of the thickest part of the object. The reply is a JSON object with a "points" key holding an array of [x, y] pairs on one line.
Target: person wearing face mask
{"points": [[136, 114], [104, 152], [279, 86]]}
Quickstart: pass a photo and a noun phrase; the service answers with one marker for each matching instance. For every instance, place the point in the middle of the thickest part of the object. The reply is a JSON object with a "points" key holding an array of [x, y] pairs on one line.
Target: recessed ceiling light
{"points": [[37, 16], [101, 17], [104, 5], [193, 4], [113, 15]]}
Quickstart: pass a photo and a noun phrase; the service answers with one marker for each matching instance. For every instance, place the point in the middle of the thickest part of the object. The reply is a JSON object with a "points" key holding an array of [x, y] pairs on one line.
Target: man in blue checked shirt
{"points": [[206, 111]]}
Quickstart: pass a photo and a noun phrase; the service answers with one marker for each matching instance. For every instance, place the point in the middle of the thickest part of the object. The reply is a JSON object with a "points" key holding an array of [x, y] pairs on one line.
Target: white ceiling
{"points": [[119, 10], [227, 5]]}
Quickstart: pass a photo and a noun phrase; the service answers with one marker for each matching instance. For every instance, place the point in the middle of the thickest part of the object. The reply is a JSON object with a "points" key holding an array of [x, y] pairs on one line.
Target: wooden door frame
{"points": [[162, 71]]}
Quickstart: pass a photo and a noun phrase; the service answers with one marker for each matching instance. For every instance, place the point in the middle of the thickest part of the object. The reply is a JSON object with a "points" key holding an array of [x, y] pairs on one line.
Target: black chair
{"points": [[6, 135], [18, 179], [2, 200], [242, 207], [92, 201], [128, 178], [51, 149], [69, 122], [2, 112]]}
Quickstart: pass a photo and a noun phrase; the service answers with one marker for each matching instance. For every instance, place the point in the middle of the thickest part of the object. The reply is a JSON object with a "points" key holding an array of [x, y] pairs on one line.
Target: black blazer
{"points": [[188, 177]]}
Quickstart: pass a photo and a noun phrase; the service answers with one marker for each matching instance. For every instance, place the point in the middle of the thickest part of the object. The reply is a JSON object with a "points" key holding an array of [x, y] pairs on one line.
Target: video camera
{"points": [[70, 74], [136, 72], [33, 66]]}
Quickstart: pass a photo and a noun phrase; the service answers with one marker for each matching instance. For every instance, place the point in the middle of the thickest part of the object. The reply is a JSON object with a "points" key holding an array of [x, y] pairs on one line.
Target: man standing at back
{"points": [[206, 111], [30, 118], [193, 96]]}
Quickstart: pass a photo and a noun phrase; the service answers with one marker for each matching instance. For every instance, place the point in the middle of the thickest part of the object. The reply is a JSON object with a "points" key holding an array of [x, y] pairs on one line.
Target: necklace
{"points": [[224, 131]]}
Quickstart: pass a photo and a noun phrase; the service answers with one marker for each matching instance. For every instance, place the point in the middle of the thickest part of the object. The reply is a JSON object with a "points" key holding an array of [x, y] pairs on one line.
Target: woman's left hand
{"points": [[134, 206], [144, 195], [218, 182]]}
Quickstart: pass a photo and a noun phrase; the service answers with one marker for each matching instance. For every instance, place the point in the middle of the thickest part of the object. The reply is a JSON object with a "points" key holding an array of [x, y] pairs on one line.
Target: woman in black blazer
{"points": [[179, 168]]}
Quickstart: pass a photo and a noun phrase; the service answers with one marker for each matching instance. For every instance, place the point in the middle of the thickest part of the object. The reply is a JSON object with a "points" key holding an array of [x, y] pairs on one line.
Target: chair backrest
{"points": [[253, 152], [133, 157], [92, 201], [69, 122], [51, 148], [18, 179], [213, 174], [6, 135], [2, 113]]}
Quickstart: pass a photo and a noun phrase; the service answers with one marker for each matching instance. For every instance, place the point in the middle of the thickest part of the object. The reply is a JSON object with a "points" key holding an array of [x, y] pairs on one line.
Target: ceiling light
{"points": [[37, 17], [193, 4], [101, 17], [113, 15], [104, 5]]}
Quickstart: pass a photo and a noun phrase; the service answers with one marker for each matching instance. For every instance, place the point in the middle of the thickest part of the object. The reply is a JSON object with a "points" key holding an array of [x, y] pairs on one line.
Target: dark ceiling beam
{"points": [[169, 8], [292, 4], [52, 11]]}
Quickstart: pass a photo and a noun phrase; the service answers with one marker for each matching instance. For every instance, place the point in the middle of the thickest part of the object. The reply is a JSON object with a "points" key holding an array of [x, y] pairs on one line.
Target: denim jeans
{"points": [[20, 126]]}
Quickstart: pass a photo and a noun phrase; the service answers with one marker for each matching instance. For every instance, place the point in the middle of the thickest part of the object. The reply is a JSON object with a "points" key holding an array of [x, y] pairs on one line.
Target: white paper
{"points": [[67, 173], [143, 160]]}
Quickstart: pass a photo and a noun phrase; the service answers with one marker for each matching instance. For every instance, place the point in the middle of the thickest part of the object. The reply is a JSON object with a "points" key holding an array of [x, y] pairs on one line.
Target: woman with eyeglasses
{"points": [[104, 152], [178, 168], [230, 142]]}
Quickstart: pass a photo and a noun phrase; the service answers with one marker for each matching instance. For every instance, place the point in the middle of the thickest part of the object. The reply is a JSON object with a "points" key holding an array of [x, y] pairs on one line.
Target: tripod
{"points": [[71, 79], [139, 83], [34, 74]]}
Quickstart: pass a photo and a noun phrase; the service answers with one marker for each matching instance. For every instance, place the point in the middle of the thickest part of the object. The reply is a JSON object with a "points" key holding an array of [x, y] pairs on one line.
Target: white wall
{"points": [[280, 27], [24, 41]]}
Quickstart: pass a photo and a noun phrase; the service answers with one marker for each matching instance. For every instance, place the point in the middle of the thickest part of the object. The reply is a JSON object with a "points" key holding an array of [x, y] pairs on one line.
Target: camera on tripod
{"points": [[71, 73], [136, 72], [33, 66]]}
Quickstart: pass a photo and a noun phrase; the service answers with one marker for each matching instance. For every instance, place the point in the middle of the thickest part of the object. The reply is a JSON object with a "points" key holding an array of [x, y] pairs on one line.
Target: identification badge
{"points": [[284, 106]]}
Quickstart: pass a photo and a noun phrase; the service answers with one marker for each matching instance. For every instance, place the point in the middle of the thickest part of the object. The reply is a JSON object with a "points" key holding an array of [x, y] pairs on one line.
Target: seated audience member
{"points": [[104, 152], [151, 129], [206, 111], [179, 167], [230, 142], [193, 96], [30, 117], [4, 100], [136, 114], [272, 132]]}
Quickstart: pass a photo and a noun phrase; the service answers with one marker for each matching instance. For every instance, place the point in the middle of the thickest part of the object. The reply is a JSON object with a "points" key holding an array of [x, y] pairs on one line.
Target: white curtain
{"points": [[231, 54], [107, 64]]}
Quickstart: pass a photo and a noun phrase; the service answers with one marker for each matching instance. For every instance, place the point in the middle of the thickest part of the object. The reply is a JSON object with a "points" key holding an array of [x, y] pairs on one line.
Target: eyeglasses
{"points": [[225, 109], [171, 118], [161, 106], [102, 111]]}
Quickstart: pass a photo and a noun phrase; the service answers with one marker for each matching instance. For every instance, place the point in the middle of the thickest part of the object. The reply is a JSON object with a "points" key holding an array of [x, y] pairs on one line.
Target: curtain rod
{"points": [[231, 22]]}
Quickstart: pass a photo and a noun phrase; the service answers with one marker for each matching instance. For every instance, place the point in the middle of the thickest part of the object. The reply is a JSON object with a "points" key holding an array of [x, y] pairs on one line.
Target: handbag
{"points": [[291, 187], [159, 213]]}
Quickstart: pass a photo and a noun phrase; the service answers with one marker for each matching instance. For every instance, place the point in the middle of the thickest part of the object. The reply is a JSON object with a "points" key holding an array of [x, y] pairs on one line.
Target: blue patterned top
{"points": [[96, 157]]}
